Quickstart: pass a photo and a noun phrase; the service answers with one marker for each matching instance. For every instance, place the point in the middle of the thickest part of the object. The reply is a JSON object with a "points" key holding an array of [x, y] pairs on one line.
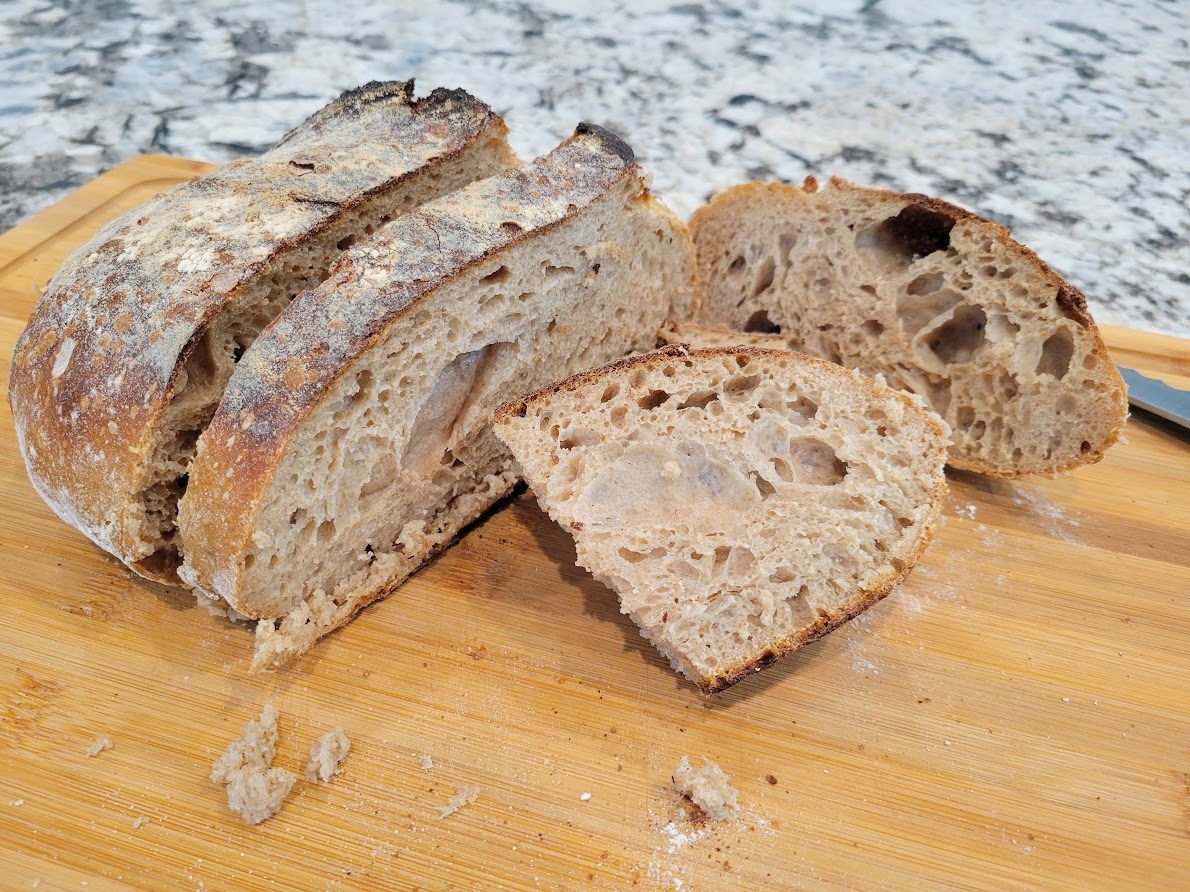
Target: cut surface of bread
{"points": [[741, 502], [128, 352], [354, 440], [941, 302]]}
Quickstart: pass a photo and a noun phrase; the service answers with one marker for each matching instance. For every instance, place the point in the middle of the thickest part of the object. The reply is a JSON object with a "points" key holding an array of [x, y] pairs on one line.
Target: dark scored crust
{"points": [[314, 342], [96, 367], [862, 600]]}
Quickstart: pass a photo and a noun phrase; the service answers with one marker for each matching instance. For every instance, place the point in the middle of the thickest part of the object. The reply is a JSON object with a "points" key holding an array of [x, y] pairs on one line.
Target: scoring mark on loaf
{"points": [[62, 357]]}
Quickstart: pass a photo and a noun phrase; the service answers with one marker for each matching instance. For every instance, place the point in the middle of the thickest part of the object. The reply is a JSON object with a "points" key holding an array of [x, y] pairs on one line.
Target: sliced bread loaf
{"points": [[741, 502], [129, 350], [941, 302], [354, 440]]}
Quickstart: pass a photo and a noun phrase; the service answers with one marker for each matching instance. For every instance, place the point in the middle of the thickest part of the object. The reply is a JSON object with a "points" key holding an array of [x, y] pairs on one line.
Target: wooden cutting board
{"points": [[1016, 715]]}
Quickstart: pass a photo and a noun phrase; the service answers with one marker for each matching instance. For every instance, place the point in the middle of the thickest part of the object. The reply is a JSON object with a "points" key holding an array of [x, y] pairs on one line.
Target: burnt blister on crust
{"points": [[611, 142], [351, 103]]}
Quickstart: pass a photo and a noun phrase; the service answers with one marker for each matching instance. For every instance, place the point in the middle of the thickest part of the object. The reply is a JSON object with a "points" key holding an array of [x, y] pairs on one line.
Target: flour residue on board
{"points": [[1053, 519], [687, 844]]}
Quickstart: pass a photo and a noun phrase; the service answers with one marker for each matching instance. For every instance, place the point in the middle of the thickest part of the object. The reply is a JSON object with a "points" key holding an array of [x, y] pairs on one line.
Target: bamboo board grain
{"points": [[1016, 715]]}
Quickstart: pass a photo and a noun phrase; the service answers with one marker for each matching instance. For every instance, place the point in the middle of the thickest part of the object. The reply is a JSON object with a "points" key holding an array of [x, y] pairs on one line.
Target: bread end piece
{"points": [[742, 502], [940, 301]]}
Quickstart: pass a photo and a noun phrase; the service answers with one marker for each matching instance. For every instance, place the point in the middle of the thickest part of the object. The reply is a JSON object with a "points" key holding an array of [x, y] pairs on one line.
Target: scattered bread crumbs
{"points": [[465, 796], [425, 761], [708, 788], [98, 745], [254, 790], [327, 755]]}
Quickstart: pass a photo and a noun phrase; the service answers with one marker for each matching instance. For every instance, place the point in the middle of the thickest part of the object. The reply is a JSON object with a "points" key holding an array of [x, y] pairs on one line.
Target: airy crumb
{"points": [[327, 755], [425, 761], [708, 788], [464, 796], [98, 745], [254, 790]]}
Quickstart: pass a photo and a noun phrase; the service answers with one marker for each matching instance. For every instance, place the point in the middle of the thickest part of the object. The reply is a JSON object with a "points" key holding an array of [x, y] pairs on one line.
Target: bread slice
{"points": [[354, 440], [941, 302], [128, 352], [741, 502]]}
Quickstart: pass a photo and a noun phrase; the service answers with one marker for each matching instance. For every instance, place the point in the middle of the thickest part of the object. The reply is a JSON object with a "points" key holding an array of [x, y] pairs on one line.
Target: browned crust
{"points": [[863, 600], [291, 365], [87, 433]]}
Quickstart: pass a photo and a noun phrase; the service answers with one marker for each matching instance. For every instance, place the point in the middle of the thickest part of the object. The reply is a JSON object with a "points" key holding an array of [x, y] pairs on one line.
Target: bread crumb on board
{"points": [[327, 755], [254, 790], [98, 745], [425, 761], [465, 796], [708, 788]]}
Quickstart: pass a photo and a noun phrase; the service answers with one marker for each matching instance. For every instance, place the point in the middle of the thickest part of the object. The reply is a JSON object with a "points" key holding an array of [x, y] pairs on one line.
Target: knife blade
{"points": [[1157, 397]]}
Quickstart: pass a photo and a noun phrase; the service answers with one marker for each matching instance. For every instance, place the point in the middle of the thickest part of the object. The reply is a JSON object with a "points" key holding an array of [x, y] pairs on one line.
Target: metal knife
{"points": [[1157, 397]]}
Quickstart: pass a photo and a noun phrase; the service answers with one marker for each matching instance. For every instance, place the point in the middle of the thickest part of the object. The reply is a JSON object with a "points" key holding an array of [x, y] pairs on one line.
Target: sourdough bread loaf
{"points": [[354, 439], [741, 502], [941, 302], [129, 349]]}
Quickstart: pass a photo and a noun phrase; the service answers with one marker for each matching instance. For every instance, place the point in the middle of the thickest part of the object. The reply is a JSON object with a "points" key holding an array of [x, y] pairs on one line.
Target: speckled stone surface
{"points": [[1067, 121]]}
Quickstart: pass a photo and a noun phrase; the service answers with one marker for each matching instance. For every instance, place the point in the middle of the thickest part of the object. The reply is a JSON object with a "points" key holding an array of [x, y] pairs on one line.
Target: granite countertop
{"points": [[1067, 122]]}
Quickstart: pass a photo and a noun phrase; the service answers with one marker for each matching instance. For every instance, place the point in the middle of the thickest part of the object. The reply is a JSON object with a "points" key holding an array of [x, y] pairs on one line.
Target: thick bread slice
{"points": [[741, 502], [128, 352], [354, 440], [941, 302]]}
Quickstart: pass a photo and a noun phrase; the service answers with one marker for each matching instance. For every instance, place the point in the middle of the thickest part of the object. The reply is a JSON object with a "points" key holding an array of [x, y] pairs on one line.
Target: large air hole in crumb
{"points": [[326, 530], [961, 337], [914, 233], [765, 488], [741, 384], [610, 392], [653, 399], [803, 407], [764, 277], [635, 557], [782, 574], [817, 462], [737, 265], [916, 311], [927, 283], [782, 469], [1056, 354], [760, 322], [699, 400]]}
